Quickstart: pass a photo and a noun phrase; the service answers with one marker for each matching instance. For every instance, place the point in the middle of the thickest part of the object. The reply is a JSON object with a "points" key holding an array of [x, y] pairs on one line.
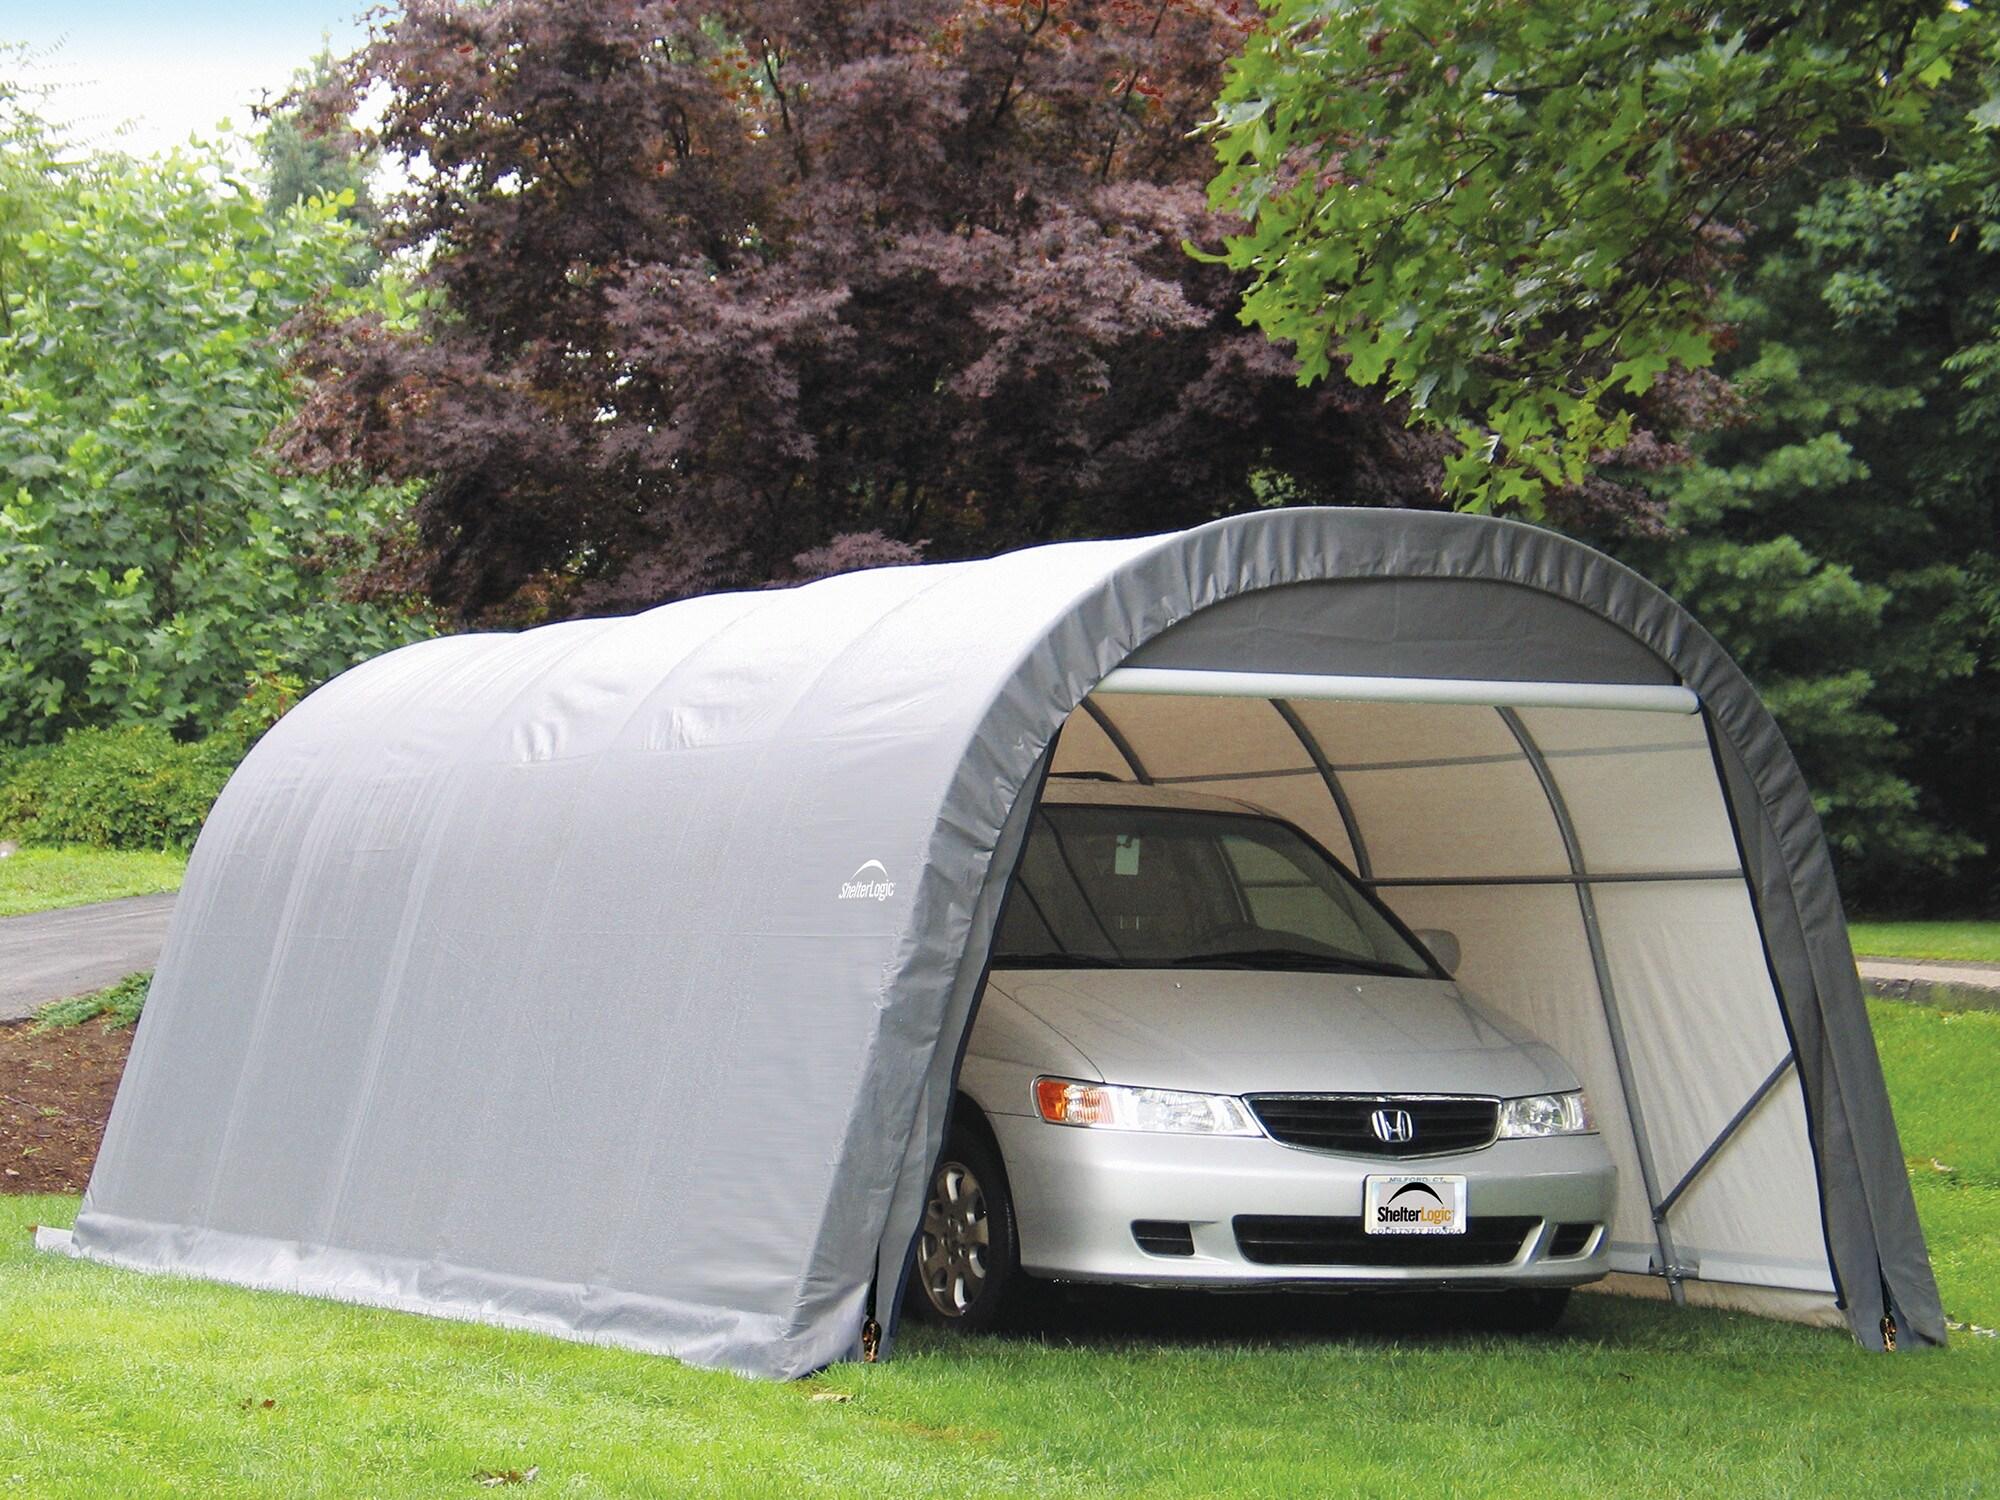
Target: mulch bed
{"points": [[55, 1095]]}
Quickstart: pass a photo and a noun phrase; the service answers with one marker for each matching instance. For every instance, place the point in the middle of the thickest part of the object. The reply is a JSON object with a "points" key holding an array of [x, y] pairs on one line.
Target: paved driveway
{"points": [[54, 954]]}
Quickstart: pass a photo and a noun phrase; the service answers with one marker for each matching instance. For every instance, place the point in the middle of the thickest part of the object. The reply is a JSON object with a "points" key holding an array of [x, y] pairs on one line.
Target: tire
{"points": [[1536, 1310], [967, 1272]]}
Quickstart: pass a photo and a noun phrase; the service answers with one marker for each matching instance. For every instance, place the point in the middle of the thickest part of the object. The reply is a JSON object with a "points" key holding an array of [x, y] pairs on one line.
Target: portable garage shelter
{"points": [[609, 978]]}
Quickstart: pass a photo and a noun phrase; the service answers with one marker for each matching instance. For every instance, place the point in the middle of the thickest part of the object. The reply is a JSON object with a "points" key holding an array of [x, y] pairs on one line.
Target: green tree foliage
{"points": [[27, 157], [1574, 234], [151, 557], [1510, 211], [1841, 536], [304, 158]]}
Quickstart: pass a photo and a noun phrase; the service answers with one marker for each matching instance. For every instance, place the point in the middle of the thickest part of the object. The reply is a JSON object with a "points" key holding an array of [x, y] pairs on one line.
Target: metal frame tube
{"points": [[1642, 877], [1193, 682], [1118, 741], [1297, 725], [1727, 1133], [1211, 778], [1607, 993]]}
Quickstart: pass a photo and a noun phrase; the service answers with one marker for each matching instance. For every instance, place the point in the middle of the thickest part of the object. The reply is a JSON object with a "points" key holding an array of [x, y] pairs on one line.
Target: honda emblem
{"points": [[1392, 1127]]}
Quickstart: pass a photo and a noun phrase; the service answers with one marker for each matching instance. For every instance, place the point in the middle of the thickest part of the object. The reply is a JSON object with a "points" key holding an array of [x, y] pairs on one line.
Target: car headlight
{"points": [[1109, 1106], [1546, 1114]]}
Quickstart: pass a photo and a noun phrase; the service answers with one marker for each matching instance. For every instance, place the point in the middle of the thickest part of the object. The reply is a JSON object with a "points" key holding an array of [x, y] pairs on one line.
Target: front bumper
{"points": [[1078, 1192]]}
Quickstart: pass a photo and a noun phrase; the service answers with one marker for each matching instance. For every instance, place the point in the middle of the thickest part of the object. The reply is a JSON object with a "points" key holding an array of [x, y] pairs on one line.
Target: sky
{"points": [[160, 70]]}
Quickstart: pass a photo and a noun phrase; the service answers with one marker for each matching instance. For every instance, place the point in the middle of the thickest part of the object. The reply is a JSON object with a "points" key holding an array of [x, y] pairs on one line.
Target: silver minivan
{"points": [[1208, 1057]]}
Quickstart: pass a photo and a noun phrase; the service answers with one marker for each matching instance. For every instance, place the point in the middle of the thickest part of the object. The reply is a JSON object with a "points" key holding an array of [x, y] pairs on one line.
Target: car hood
{"points": [[1233, 1031]]}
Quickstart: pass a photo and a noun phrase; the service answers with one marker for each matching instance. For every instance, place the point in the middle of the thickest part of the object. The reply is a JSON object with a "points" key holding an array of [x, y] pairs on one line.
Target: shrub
{"points": [[120, 1004], [133, 787]]}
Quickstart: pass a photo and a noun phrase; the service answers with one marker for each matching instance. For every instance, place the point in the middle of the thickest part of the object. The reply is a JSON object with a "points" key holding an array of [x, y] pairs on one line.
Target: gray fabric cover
{"points": [[608, 979]]}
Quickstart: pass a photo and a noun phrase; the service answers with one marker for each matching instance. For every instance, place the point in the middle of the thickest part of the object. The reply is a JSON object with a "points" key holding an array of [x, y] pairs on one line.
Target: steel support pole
{"points": [[1641, 877], [1727, 1133], [1608, 995], [1334, 789], [1118, 741]]}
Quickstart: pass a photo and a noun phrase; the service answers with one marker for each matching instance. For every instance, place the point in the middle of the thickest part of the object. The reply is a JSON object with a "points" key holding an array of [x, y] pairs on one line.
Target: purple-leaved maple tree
{"points": [[721, 294]]}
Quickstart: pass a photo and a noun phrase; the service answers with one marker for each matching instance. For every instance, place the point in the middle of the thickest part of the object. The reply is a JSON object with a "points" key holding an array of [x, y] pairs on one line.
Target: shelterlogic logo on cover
{"points": [[869, 883]]}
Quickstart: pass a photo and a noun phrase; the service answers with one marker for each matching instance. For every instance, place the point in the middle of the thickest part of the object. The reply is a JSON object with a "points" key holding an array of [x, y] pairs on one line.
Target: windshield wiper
{"points": [[1296, 958]]}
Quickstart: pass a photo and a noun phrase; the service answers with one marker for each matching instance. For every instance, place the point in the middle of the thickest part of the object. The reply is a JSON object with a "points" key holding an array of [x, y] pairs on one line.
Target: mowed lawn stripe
{"points": [[33, 880]]}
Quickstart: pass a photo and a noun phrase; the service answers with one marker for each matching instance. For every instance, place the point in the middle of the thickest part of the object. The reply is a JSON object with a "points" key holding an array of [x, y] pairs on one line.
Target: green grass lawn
{"points": [[1944, 1076], [1967, 942], [43, 879], [113, 1383]]}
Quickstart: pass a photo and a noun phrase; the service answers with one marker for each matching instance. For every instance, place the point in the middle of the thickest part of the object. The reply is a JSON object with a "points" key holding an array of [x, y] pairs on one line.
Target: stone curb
{"points": [[1936, 996]]}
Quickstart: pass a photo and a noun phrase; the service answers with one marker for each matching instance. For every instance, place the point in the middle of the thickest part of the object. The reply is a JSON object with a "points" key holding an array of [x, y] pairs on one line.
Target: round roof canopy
{"points": [[609, 978]]}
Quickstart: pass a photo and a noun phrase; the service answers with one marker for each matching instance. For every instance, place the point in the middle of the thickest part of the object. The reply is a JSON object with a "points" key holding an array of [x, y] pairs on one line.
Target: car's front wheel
{"points": [[968, 1267]]}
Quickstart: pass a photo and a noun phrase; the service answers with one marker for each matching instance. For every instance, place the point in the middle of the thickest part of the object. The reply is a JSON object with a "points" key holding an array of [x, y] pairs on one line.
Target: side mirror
{"points": [[1443, 946]]}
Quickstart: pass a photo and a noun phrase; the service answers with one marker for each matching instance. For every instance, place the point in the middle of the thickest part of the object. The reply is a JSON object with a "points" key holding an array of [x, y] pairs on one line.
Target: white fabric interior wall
{"points": [[1456, 815]]}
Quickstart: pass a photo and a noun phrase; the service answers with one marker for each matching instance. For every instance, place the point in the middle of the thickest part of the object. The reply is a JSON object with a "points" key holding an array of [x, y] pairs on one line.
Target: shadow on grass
{"points": [[1107, 1317]]}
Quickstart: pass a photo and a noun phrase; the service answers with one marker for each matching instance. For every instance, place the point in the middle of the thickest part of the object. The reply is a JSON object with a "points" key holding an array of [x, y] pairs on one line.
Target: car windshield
{"points": [[1160, 887]]}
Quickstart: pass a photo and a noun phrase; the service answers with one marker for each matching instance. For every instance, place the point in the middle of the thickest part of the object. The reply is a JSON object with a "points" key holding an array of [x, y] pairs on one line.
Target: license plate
{"points": [[1413, 1205]]}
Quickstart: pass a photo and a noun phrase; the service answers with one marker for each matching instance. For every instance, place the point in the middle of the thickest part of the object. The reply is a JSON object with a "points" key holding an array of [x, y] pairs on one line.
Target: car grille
{"points": [[1294, 1240], [1344, 1122]]}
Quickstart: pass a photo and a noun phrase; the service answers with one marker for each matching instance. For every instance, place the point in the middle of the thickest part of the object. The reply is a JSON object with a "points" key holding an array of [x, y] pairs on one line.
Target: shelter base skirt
{"points": [[1815, 1309], [583, 1314]]}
